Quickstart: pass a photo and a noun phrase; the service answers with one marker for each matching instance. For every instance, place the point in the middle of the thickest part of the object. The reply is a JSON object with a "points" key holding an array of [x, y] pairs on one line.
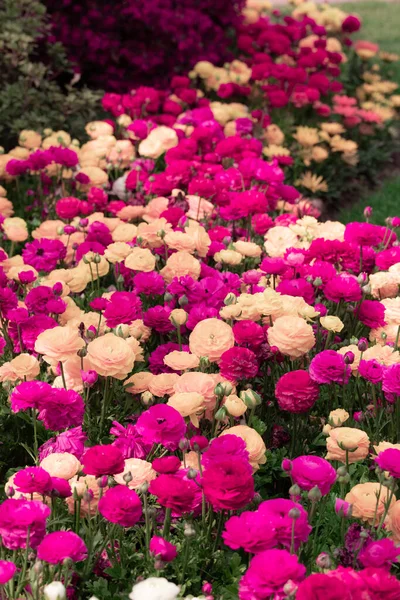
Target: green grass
{"points": [[381, 24]]}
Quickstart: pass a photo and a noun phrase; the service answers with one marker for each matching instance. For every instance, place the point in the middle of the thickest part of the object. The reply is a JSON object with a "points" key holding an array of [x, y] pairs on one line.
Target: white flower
{"points": [[54, 591], [154, 588], [119, 188]]}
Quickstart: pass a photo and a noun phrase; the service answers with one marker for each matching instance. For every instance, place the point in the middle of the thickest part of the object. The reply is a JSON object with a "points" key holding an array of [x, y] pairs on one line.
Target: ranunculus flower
{"points": [[355, 441], [59, 545], [292, 335], [238, 363], [161, 424], [296, 392], [33, 480], [278, 512], [211, 338], [329, 367], [389, 460], [154, 588], [17, 518], [61, 409], [176, 492], [7, 571], [161, 548], [311, 471], [253, 440], [379, 553], [365, 502], [251, 531], [111, 356], [121, 505], [103, 460], [268, 573], [227, 484], [29, 394]]}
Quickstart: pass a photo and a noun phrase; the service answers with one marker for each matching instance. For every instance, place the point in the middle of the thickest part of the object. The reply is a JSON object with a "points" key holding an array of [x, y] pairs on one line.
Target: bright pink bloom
{"points": [[312, 471], [7, 571], [33, 479], [161, 548], [60, 545], [17, 518], [238, 363], [251, 531], [329, 367], [103, 460], [177, 492], [227, 484], [389, 460], [161, 424], [296, 392], [121, 505]]}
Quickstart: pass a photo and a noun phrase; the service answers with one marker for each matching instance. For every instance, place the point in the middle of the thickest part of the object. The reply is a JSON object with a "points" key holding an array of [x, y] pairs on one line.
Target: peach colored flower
{"points": [[200, 237], [141, 259], [138, 330], [96, 129], [6, 207], [199, 208], [29, 139], [228, 257], [50, 229], [58, 344], [117, 252], [141, 472], [292, 336], [61, 464], [159, 140], [341, 439], [122, 154], [111, 356], [181, 361], [211, 338], [178, 317], [384, 284], [97, 178], [392, 522], [180, 264], [155, 208], [274, 135], [178, 240], [248, 249], [96, 265], [235, 405], [163, 384], [392, 310], [24, 367], [191, 461], [79, 487], [124, 232], [382, 446], [194, 381], [384, 335], [15, 229], [254, 443], [383, 354], [357, 356], [130, 213], [139, 382], [188, 404], [368, 501], [332, 323], [338, 417], [151, 233]]}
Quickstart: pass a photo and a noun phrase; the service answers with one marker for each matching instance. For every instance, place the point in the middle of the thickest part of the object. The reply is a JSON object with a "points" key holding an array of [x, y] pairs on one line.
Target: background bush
{"points": [[142, 42], [35, 76]]}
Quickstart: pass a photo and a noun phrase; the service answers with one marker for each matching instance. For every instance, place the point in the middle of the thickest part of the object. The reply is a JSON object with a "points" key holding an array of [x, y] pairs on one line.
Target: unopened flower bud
{"points": [[144, 488], [294, 513], [54, 591], [82, 352], [159, 564], [191, 474], [127, 477], [10, 492], [184, 445], [342, 471], [183, 301], [178, 317], [323, 561], [295, 491], [188, 530], [362, 344], [102, 481], [87, 496], [147, 398], [38, 567], [221, 414], [168, 297], [290, 589], [230, 299], [314, 494], [250, 398]]}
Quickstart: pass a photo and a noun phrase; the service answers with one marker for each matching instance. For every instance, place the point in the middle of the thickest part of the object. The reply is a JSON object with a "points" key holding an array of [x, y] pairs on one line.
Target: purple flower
{"points": [[329, 367], [44, 254]]}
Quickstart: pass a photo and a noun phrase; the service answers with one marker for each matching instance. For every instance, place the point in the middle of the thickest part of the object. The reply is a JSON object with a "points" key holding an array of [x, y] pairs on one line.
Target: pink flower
{"points": [[391, 380], [312, 471], [250, 531], [296, 392], [44, 254], [161, 424], [29, 394], [343, 508], [329, 367], [320, 586], [268, 573], [351, 24], [379, 553], [61, 409], [103, 460], [72, 441], [33, 479], [227, 484], [60, 545], [371, 313], [166, 464], [161, 548], [7, 571], [343, 287], [238, 363], [389, 460], [278, 511], [177, 492], [121, 505], [68, 208], [371, 370], [60, 488], [227, 446], [17, 518]]}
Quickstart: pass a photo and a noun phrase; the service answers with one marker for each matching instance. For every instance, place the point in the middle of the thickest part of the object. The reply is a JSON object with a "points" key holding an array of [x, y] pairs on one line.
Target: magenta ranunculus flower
{"points": [[371, 370], [121, 505], [321, 586], [61, 409], [250, 531], [351, 24], [343, 508], [368, 234], [329, 367], [29, 394], [60, 488], [68, 207], [391, 380], [278, 511], [33, 479], [389, 460], [7, 571], [177, 492], [296, 392], [123, 307], [166, 464], [59, 545], [248, 332], [379, 553], [371, 313], [238, 363], [161, 548], [17, 518], [343, 287], [312, 471], [268, 573], [161, 424], [72, 441], [44, 254], [228, 484], [227, 446], [103, 460]]}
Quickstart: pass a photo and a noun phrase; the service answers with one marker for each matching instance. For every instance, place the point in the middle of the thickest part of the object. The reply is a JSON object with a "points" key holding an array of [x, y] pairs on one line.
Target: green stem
{"points": [[167, 524]]}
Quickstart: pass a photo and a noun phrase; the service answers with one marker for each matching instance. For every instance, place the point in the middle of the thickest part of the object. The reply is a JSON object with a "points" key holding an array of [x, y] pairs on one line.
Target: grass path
{"points": [[381, 24]]}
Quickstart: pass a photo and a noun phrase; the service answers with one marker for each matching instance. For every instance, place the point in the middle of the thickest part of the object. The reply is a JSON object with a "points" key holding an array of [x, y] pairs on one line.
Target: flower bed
{"points": [[200, 378]]}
